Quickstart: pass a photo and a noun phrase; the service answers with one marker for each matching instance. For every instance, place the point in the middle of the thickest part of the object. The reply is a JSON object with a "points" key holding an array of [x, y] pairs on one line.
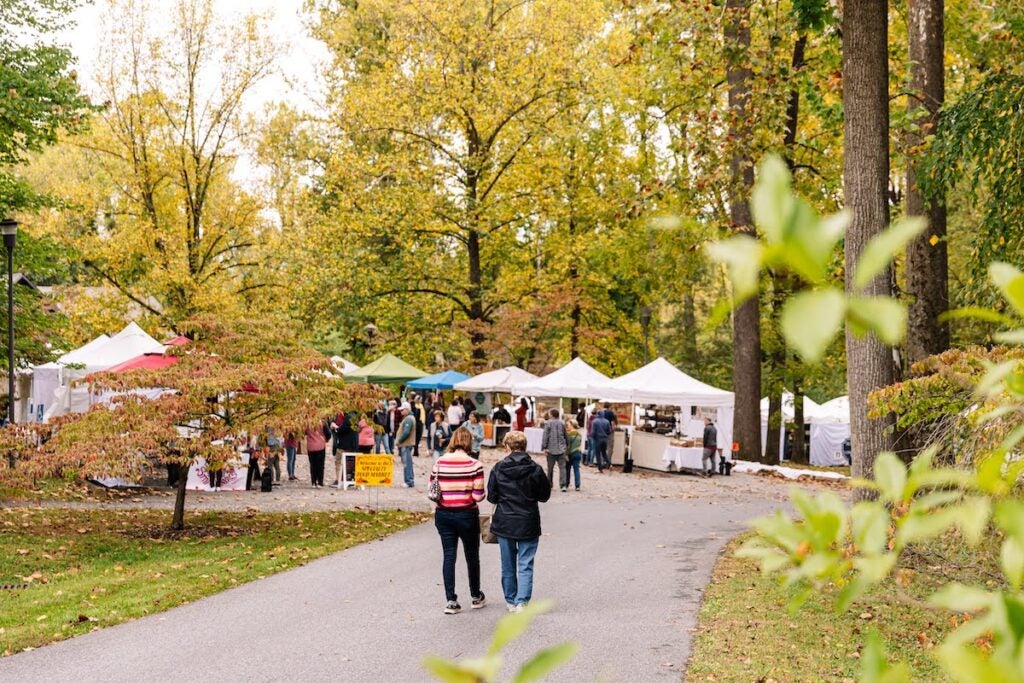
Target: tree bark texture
{"points": [[927, 267], [178, 520], [746, 321], [866, 188], [800, 455], [775, 420]]}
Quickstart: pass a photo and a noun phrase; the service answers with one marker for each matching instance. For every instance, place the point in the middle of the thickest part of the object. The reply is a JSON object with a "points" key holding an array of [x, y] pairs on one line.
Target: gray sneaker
{"points": [[479, 601], [453, 607]]}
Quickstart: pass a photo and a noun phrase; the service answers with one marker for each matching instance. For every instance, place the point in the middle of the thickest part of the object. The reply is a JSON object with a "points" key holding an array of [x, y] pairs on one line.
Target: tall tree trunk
{"points": [[746, 320], [576, 315], [772, 438], [866, 186], [799, 455], [178, 520], [927, 265], [476, 303], [688, 340]]}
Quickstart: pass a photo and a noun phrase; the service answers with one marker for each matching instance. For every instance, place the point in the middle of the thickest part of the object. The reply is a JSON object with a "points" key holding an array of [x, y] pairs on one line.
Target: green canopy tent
{"points": [[387, 369]]}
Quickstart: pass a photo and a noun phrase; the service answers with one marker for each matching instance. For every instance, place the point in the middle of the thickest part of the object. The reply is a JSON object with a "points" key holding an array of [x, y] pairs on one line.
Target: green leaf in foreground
{"points": [[811, 320], [450, 672], [742, 255], [545, 661], [874, 666], [880, 251], [886, 317], [511, 626], [1010, 282]]}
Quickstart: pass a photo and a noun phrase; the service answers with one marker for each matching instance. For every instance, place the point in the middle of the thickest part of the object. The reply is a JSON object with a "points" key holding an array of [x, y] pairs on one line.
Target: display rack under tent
{"points": [[669, 420], [388, 369], [830, 427], [442, 380]]}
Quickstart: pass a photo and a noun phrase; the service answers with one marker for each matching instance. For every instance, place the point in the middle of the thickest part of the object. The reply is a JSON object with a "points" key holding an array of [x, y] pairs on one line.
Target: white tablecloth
{"points": [[233, 478], [534, 439], [689, 458]]}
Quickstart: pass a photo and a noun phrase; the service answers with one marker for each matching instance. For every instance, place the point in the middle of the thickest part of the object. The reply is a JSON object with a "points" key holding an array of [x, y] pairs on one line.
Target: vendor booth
{"points": [[573, 380], [482, 389], [387, 369], [669, 419], [788, 415], [830, 427], [127, 344]]}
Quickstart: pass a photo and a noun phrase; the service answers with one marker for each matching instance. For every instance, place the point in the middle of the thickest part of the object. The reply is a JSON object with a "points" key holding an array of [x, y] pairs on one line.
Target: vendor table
{"points": [[648, 450], [684, 458], [534, 439]]}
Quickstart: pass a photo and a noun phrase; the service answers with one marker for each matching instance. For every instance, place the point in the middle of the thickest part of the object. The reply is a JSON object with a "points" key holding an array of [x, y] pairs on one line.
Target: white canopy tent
{"points": [[130, 342], [830, 427], [573, 380], [344, 366], [661, 383], [788, 415], [48, 377], [503, 380]]}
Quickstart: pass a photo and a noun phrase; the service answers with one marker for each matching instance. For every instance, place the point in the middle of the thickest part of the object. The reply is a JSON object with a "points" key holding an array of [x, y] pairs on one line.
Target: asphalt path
{"points": [[627, 578]]}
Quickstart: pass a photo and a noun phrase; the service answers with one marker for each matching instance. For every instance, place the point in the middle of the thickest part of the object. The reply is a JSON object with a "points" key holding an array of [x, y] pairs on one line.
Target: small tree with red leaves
{"points": [[235, 376]]}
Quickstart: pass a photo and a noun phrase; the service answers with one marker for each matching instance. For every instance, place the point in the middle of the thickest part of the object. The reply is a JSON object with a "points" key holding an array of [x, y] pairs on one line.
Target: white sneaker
{"points": [[519, 608], [510, 607]]}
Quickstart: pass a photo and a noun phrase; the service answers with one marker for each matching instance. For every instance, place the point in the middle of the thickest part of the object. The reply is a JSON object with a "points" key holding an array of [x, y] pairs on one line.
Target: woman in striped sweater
{"points": [[457, 516]]}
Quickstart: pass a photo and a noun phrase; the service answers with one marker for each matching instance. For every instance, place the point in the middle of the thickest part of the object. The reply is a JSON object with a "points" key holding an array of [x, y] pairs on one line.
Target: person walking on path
{"points": [[316, 447], [600, 433], [406, 440], [457, 517], [346, 440], [574, 448], [394, 420], [291, 445], [477, 430], [439, 435], [516, 485], [555, 444], [710, 442]]}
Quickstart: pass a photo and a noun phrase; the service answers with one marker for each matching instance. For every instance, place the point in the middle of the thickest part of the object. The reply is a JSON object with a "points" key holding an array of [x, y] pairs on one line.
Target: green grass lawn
{"points": [[746, 633], [87, 569]]}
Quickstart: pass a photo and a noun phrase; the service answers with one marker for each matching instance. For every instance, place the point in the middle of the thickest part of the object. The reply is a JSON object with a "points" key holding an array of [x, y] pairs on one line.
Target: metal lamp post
{"points": [[645, 320], [9, 229]]}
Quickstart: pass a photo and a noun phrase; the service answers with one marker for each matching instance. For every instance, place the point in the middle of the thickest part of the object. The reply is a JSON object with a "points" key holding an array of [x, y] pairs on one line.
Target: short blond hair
{"points": [[462, 440], [515, 440]]}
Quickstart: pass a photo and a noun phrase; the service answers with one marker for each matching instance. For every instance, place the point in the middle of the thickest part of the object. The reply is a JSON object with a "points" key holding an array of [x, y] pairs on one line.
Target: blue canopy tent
{"points": [[442, 380]]}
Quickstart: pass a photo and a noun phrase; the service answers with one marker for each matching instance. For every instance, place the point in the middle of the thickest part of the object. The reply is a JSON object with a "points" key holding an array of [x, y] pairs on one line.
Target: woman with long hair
{"points": [[457, 517]]}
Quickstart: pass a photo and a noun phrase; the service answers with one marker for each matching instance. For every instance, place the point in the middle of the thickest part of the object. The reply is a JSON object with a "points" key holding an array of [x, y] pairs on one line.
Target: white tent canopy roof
{"points": [[811, 409], [502, 380], [836, 411], [573, 380], [662, 383], [344, 366]]}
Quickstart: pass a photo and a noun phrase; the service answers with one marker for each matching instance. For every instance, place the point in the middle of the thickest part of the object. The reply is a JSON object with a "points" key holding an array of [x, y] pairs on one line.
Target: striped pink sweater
{"points": [[461, 479]]}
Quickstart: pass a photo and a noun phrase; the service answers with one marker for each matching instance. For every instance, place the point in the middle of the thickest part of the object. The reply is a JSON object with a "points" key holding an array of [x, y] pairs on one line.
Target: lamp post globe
{"points": [[9, 230]]}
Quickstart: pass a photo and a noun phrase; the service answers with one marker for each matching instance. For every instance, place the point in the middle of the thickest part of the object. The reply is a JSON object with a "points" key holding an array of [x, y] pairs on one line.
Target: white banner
{"points": [[233, 478]]}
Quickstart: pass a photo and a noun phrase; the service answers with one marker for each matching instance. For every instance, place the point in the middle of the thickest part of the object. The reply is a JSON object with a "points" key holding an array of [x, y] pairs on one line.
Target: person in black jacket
{"points": [[515, 487]]}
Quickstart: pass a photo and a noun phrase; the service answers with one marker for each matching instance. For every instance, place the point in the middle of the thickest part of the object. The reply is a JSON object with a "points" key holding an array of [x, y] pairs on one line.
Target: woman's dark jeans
{"points": [[453, 525]]}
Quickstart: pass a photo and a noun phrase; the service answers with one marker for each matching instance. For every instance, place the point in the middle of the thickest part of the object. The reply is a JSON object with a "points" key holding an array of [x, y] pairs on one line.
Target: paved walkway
{"points": [[627, 575]]}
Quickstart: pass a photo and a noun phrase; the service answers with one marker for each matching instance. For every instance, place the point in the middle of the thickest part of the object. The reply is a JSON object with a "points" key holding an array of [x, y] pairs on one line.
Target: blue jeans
{"points": [[452, 526], [574, 465], [289, 454], [381, 444], [588, 455], [517, 568], [406, 453]]}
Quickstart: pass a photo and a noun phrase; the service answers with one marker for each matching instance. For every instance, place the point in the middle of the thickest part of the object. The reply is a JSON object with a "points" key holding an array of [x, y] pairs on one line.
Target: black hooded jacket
{"points": [[515, 487]]}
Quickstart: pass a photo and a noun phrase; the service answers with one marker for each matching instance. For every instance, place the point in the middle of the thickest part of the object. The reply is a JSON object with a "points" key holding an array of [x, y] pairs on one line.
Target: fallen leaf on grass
{"points": [[23, 551]]}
